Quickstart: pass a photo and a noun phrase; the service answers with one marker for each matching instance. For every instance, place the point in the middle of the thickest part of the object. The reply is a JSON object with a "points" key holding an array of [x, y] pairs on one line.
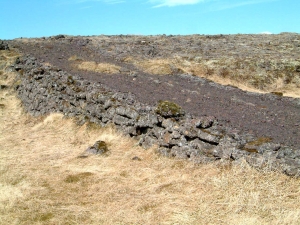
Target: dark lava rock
{"points": [[219, 123]]}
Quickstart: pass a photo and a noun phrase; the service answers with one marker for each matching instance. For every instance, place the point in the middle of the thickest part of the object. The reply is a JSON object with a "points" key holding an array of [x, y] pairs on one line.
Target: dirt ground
{"points": [[264, 115]]}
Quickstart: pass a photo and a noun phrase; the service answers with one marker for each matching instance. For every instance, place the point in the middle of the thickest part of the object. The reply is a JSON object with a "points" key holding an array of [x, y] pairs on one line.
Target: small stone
{"points": [[204, 122], [2, 87], [99, 148], [147, 142], [136, 158], [164, 151]]}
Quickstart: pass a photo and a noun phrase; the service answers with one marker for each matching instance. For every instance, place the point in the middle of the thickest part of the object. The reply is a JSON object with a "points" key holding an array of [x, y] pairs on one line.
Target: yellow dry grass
{"points": [[156, 66], [42, 180], [75, 58], [214, 71], [99, 67]]}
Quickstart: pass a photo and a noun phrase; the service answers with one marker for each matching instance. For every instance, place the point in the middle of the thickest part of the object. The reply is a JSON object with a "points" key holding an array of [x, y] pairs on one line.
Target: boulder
{"points": [[149, 120], [99, 148], [127, 112]]}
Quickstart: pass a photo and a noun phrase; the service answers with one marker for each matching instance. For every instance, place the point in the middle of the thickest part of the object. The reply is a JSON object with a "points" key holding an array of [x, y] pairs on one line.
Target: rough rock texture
{"points": [[264, 57], [43, 89], [99, 148], [3, 45]]}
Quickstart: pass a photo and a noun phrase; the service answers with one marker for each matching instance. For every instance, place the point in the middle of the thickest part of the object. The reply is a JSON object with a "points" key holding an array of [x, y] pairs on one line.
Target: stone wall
{"points": [[44, 89]]}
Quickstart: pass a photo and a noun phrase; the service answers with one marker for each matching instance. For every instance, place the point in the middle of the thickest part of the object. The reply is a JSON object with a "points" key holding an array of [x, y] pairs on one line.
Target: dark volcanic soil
{"points": [[264, 115]]}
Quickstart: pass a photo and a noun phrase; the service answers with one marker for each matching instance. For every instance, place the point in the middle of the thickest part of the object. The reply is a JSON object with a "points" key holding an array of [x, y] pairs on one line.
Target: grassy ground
{"points": [[243, 74], [215, 70], [99, 68], [43, 181]]}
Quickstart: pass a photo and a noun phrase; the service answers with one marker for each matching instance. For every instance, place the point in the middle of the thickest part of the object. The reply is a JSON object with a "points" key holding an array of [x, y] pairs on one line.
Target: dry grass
{"points": [[75, 58], [242, 74], [156, 66], [42, 180], [99, 67]]}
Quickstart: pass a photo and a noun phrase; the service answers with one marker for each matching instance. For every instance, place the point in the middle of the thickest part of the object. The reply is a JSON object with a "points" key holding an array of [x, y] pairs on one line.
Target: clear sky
{"points": [[38, 18]]}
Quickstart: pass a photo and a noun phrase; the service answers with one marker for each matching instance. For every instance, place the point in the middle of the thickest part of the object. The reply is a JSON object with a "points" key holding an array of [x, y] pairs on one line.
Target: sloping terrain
{"points": [[136, 64], [257, 62], [43, 181]]}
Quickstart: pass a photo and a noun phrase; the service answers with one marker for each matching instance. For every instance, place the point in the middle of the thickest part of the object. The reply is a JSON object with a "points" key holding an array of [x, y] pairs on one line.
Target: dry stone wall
{"points": [[44, 89]]}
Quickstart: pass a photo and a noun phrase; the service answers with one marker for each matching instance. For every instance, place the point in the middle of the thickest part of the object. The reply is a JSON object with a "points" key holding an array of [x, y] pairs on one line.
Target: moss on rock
{"points": [[169, 109]]}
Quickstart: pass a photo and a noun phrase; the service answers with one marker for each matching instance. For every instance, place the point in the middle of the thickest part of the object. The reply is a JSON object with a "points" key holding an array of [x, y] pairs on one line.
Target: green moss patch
{"points": [[169, 109]]}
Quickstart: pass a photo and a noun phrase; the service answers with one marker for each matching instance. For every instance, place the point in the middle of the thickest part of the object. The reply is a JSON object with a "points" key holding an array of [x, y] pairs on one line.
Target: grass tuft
{"points": [[99, 67], [77, 177]]}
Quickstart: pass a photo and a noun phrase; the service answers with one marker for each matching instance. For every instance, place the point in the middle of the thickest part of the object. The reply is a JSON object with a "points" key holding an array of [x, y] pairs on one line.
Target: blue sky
{"points": [[38, 18]]}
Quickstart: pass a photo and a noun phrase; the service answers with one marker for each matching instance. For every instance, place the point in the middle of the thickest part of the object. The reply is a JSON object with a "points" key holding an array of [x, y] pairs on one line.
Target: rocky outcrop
{"points": [[44, 89]]}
